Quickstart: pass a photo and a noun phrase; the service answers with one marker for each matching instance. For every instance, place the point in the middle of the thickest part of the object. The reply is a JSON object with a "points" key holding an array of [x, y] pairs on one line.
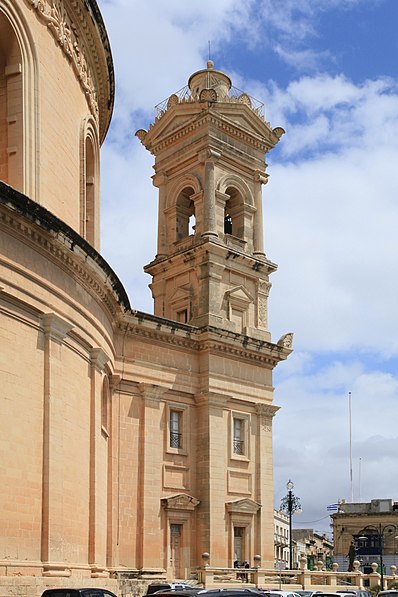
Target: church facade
{"points": [[131, 443]]}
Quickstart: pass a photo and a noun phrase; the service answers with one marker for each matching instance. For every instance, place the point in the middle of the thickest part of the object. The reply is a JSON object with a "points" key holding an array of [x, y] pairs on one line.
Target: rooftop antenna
{"points": [[209, 65], [350, 429]]}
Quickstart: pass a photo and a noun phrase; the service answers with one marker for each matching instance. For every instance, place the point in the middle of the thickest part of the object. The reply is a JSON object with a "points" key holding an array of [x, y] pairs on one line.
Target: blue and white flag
{"points": [[332, 507]]}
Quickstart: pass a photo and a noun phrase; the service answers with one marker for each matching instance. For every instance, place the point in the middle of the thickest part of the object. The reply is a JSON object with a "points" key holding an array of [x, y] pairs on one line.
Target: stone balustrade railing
{"points": [[303, 578]]}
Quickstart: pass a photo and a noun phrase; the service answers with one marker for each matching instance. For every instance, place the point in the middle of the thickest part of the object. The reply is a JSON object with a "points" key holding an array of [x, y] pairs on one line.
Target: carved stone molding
{"points": [[180, 501], [114, 381], [212, 399], [265, 413], [245, 506], [58, 248], [54, 14], [286, 340], [55, 327], [99, 358], [151, 393]]}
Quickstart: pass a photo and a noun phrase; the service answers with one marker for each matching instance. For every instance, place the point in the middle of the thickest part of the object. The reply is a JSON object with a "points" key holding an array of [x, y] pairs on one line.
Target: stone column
{"points": [[264, 484], [209, 157], [259, 179], [55, 331], [150, 540], [97, 529], [160, 181]]}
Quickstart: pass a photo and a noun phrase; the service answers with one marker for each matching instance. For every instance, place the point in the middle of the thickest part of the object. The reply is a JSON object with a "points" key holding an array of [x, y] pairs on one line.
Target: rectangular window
{"points": [[238, 437], [175, 429]]}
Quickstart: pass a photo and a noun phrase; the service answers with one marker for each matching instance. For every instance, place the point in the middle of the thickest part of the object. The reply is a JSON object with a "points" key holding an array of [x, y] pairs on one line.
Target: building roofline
{"points": [[93, 8], [43, 218]]}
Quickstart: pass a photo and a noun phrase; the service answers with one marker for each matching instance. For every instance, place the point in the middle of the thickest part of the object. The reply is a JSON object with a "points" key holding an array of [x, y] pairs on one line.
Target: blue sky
{"points": [[327, 73]]}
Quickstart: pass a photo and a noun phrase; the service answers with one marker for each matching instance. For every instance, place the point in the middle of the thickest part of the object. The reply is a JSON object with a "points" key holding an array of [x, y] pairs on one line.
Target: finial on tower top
{"points": [[210, 64]]}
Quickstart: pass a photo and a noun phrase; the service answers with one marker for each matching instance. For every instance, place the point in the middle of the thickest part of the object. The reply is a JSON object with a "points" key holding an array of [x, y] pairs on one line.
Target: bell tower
{"points": [[209, 141]]}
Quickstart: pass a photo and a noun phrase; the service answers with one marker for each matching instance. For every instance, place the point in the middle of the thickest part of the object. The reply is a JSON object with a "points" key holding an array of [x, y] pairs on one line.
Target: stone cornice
{"points": [[210, 339], [52, 237], [156, 145], [219, 248], [85, 43]]}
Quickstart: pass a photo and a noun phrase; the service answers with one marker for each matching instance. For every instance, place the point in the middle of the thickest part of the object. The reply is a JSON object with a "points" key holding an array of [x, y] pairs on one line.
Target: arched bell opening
{"points": [[185, 214], [234, 213]]}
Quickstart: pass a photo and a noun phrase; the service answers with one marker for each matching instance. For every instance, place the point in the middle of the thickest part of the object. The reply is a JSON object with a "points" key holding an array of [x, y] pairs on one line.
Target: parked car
{"points": [[283, 593], [306, 593], [328, 594], [177, 593], [77, 593], [232, 592], [389, 593], [356, 592], [155, 587]]}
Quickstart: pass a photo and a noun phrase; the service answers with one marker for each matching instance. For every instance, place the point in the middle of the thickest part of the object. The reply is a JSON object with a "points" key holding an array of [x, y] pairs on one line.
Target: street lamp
{"points": [[379, 531], [290, 504]]}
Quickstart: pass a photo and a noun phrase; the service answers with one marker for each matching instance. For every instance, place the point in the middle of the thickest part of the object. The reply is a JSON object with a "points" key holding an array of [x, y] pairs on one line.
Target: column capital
{"points": [[152, 392], [212, 399], [266, 410], [264, 287], [261, 177], [114, 381], [98, 358], [209, 155], [55, 327], [265, 413], [159, 179]]}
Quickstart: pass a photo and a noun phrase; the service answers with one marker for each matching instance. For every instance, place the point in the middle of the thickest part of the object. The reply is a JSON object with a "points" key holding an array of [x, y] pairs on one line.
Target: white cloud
{"points": [[311, 435]]}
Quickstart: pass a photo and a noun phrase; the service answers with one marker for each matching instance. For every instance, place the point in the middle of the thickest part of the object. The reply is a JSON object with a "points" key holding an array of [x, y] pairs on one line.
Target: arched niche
{"points": [[18, 102], [89, 188]]}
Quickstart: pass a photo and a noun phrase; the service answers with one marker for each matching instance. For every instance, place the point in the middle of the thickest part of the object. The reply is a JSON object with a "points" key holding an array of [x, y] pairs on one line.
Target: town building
{"points": [[281, 540], [314, 547], [131, 443], [368, 530]]}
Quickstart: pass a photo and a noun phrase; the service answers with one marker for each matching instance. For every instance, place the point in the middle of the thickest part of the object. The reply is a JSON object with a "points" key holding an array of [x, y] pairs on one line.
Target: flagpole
{"points": [[350, 427]]}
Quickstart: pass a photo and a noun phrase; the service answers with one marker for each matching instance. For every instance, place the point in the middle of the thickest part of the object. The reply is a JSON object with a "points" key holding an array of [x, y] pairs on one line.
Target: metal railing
{"points": [[239, 447], [175, 439], [235, 95]]}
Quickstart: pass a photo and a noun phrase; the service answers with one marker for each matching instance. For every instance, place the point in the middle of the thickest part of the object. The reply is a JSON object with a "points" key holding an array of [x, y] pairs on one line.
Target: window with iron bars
{"points": [[238, 444], [175, 429]]}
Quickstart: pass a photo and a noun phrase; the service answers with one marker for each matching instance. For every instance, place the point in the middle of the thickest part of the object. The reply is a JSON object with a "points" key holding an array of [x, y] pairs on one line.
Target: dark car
{"points": [[231, 592], [77, 593], [354, 592], [157, 587], [176, 593]]}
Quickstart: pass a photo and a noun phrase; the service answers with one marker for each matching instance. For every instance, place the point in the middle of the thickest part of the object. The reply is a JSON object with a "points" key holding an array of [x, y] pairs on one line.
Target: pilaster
{"points": [[265, 482], [260, 178], [98, 468], [55, 331], [212, 439], [152, 439]]}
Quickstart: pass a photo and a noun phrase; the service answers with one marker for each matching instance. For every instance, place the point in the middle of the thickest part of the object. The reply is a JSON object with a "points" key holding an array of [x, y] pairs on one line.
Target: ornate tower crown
{"points": [[209, 141]]}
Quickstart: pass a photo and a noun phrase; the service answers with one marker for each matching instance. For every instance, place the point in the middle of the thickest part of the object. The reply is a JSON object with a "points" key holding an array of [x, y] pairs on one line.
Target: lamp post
{"points": [[379, 532], [290, 504]]}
